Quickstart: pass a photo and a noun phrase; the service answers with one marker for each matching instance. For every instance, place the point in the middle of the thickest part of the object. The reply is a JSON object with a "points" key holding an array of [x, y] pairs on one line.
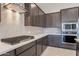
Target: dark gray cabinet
{"points": [[41, 18], [69, 15], [40, 14], [54, 40], [26, 49], [77, 49], [35, 16], [34, 48], [31, 18], [45, 43], [44, 20], [69, 46], [49, 21], [41, 45], [27, 18], [29, 52], [53, 20]]}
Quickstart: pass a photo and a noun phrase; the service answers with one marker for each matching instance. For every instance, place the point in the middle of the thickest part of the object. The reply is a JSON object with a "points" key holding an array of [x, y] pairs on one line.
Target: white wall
{"points": [[32, 30], [12, 24], [54, 31]]}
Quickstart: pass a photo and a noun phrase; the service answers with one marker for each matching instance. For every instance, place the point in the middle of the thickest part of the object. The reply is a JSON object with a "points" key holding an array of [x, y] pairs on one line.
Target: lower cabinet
{"points": [[69, 46], [54, 40], [35, 48], [29, 52], [41, 45], [77, 49], [45, 43], [25, 48]]}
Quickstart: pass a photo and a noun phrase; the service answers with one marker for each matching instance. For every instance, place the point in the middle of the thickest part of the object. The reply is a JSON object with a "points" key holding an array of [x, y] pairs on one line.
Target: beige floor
{"points": [[53, 51]]}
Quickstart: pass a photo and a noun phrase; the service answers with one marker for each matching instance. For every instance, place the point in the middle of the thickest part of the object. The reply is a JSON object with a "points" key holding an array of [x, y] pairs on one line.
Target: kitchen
{"points": [[32, 29]]}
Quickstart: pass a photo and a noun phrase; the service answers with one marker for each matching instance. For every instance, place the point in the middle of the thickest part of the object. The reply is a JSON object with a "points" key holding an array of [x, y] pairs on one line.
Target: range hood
{"points": [[15, 7]]}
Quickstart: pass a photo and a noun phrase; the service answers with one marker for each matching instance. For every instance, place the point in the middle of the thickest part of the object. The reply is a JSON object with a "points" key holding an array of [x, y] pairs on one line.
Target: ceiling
{"points": [[55, 7]]}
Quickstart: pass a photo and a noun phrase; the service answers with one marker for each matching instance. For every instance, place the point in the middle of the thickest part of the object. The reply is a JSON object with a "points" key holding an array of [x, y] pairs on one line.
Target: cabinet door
{"points": [[44, 20], [27, 18], [69, 15], [45, 43], [77, 49], [39, 47], [31, 18], [54, 40], [53, 20], [41, 20], [27, 21], [34, 14], [24, 48], [49, 20], [56, 20], [29, 52]]}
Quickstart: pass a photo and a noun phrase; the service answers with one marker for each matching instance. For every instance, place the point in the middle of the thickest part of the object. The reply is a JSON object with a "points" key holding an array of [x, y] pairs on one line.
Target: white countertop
{"points": [[4, 47]]}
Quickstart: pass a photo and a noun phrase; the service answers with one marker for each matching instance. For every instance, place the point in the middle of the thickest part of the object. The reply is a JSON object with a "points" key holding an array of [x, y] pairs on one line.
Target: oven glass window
{"points": [[69, 39]]}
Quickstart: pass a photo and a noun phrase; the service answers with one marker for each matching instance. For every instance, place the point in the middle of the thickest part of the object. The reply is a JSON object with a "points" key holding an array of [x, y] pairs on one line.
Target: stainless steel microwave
{"points": [[69, 26]]}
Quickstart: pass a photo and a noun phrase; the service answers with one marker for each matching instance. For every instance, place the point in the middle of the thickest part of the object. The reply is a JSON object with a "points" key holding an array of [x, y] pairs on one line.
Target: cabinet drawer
{"points": [[39, 40], [29, 52], [69, 46], [25, 47], [11, 53]]}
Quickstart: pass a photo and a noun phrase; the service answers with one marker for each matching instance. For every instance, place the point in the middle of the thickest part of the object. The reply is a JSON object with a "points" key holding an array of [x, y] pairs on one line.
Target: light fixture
{"points": [[33, 5], [15, 7]]}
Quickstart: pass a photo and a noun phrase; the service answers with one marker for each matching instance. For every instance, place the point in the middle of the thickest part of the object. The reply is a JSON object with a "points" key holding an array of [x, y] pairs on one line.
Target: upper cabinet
{"points": [[69, 15], [53, 20], [27, 18], [36, 16], [41, 18]]}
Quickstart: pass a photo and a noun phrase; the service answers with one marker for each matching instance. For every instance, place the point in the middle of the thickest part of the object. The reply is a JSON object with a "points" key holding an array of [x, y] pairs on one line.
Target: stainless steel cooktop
{"points": [[18, 39]]}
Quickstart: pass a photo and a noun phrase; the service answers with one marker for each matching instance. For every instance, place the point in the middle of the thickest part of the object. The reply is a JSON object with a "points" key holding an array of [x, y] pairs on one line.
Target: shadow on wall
{"points": [[12, 24]]}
